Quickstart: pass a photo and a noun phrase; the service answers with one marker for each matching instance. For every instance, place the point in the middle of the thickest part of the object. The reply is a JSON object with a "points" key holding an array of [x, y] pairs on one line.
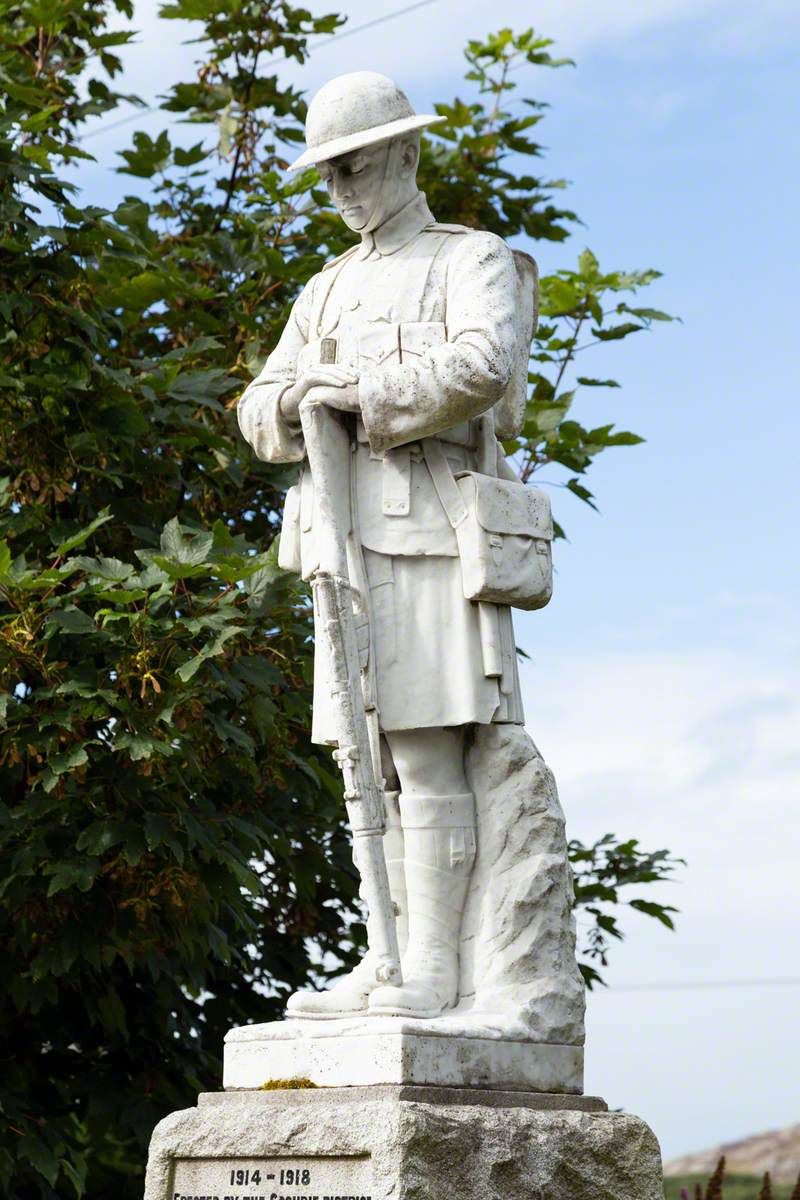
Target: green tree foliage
{"points": [[602, 870], [174, 855]]}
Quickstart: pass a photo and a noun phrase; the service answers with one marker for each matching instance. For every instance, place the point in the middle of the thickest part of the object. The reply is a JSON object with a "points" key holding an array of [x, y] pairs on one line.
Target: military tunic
{"points": [[424, 313]]}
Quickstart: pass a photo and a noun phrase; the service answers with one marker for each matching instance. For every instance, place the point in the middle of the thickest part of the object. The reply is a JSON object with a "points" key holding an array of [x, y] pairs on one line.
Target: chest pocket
{"points": [[416, 337], [378, 343], [319, 351]]}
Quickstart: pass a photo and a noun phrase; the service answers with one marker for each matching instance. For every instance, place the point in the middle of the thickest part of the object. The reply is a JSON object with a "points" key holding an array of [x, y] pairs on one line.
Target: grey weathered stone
{"points": [[491, 1097], [423, 1151]]}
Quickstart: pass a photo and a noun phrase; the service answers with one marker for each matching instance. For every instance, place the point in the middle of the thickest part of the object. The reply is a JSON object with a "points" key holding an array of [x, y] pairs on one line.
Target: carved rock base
{"points": [[518, 932], [401, 1144]]}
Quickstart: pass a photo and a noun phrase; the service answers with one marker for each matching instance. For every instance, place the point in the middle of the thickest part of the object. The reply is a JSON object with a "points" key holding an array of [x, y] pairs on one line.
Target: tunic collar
{"points": [[400, 229]]}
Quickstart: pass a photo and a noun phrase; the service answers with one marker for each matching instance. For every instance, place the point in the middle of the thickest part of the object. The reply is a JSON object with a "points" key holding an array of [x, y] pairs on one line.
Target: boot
{"points": [[439, 833], [394, 853], [349, 995]]}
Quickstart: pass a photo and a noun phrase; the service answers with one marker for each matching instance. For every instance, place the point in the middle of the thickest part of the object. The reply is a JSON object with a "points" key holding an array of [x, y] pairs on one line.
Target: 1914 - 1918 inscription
{"points": [[271, 1179]]}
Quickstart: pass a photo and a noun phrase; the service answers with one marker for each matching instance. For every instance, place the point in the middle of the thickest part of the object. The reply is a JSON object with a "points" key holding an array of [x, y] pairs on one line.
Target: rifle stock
{"points": [[328, 450]]}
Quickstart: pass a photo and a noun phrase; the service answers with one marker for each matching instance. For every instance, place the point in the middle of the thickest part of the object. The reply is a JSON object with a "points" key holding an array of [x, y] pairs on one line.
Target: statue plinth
{"points": [[446, 1052]]}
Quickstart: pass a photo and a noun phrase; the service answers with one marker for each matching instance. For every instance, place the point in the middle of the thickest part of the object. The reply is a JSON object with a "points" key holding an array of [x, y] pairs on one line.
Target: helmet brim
{"points": [[357, 141]]}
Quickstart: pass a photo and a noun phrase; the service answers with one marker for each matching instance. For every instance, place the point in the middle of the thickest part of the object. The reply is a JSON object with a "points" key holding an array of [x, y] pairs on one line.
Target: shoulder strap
{"points": [[447, 489], [326, 279]]}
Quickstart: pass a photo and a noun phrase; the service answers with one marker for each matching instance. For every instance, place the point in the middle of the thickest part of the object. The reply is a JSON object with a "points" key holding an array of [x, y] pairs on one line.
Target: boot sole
{"points": [[292, 1015], [396, 1011]]}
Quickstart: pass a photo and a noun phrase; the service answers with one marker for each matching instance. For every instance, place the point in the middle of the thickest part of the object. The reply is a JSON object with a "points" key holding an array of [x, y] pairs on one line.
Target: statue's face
{"points": [[355, 183]]}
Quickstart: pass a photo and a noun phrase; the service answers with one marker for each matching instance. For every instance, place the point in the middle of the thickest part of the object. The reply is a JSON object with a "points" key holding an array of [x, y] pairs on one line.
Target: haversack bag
{"points": [[504, 531]]}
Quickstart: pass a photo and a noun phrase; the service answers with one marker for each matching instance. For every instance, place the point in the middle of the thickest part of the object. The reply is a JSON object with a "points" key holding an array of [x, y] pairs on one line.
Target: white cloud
{"points": [[733, 24], [422, 47], [749, 28], [427, 46], [423, 50], [699, 752]]}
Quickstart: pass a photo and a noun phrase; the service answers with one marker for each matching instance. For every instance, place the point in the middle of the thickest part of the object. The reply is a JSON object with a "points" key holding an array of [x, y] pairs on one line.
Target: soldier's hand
{"points": [[329, 377], [344, 397]]}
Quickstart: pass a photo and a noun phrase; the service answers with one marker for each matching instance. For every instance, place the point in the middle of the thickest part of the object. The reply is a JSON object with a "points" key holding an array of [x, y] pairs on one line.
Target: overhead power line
{"points": [[398, 12], [336, 37], [692, 985]]}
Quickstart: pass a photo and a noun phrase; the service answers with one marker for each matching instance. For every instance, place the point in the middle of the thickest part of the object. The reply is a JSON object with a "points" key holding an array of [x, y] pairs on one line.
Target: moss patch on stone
{"points": [[274, 1085]]}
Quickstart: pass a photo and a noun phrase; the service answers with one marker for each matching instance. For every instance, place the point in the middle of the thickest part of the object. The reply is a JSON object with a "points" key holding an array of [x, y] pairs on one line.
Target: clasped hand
{"points": [[335, 386]]}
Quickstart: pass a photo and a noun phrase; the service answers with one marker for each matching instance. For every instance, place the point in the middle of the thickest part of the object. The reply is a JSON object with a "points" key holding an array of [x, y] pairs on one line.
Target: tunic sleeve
{"points": [[468, 373], [259, 410]]}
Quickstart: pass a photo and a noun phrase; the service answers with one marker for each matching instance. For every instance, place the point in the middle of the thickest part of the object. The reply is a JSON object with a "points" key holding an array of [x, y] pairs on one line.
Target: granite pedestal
{"points": [[402, 1143]]}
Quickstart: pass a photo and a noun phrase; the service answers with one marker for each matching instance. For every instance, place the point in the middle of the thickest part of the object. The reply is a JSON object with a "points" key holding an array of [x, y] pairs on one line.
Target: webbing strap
{"points": [[444, 481]]}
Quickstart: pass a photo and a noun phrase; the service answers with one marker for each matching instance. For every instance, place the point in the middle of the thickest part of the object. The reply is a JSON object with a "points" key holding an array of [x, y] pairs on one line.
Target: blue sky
{"points": [[664, 683]]}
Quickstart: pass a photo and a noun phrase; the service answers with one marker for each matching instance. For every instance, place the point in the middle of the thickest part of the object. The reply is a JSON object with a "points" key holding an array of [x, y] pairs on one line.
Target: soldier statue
{"points": [[401, 370], [417, 341]]}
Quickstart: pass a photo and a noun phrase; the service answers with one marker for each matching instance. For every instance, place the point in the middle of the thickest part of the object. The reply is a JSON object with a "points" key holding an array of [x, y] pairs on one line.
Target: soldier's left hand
{"points": [[344, 398]]}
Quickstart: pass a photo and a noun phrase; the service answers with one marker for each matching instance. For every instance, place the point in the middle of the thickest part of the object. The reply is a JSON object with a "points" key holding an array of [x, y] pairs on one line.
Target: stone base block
{"points": [[395, 1050], [401, 1144]]}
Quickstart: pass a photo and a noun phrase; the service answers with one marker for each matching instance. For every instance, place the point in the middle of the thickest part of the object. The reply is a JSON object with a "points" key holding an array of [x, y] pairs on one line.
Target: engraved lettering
{"points": [[249, 1178]]}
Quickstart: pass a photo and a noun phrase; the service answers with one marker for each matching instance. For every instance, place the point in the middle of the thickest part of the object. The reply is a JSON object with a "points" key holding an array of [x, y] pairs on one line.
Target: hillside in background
{"points": [[736, 1187], [777, 1152]]}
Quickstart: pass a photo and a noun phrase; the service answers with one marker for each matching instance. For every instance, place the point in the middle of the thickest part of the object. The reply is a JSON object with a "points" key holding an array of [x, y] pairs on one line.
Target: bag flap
{"points": [[418, 336], [507, 506], [378, 340]]}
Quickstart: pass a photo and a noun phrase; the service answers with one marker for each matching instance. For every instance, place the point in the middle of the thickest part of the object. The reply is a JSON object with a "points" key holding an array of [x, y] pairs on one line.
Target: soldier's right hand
{"points": [[320, 376]]}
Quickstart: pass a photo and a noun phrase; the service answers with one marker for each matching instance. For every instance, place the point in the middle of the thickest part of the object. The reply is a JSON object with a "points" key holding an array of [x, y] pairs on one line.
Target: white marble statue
{"points": [[417, 341]]}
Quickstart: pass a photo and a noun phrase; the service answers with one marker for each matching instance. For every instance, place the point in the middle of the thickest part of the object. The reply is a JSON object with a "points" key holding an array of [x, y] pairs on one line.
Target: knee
{"points": [[429, 762]]}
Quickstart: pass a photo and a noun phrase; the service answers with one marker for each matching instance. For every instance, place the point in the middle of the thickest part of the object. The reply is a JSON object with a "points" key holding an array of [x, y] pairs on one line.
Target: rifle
{"points": [[358, 754]]}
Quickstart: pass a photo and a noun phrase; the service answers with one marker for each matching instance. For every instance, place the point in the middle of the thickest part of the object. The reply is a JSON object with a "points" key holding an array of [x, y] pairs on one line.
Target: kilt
{"points": [[429, 653]]}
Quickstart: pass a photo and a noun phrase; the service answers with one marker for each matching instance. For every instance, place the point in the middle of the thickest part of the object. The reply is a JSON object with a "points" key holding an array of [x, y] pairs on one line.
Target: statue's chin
{"points": [[354, 220]]}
